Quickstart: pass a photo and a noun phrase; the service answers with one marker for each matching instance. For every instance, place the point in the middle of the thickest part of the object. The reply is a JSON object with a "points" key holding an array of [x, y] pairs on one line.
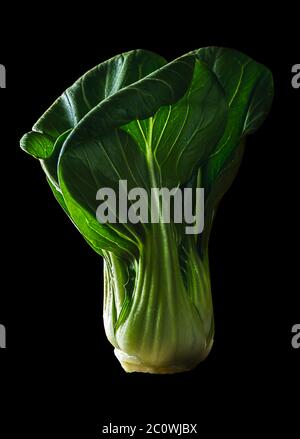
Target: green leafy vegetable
{"points": [[154, 124]]}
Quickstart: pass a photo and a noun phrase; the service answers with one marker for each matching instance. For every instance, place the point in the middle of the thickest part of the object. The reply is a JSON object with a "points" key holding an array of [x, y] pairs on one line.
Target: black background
{"points": [[58, 369]]}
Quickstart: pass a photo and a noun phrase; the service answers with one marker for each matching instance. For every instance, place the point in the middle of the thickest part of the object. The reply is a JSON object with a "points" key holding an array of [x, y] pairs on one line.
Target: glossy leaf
{"points": [[87, 92], [37, 144], [182, 135], [248, 88]]}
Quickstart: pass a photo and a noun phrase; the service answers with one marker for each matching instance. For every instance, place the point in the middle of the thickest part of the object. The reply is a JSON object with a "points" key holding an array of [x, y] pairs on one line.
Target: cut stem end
{"points": [[131, 364]]}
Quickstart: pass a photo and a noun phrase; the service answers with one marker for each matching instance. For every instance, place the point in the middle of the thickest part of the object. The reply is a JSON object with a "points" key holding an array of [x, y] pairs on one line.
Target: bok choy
{"points": [[153, 124]]}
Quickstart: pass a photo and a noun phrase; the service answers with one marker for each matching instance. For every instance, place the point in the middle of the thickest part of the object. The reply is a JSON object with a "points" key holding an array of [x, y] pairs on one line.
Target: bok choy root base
{"points": [[181, 124]]}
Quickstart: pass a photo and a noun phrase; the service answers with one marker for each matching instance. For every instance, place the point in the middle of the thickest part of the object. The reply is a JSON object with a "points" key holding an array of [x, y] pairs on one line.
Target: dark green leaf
{"points": [[50, 164], [182, 135], [248, 88], [87, 92]]}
